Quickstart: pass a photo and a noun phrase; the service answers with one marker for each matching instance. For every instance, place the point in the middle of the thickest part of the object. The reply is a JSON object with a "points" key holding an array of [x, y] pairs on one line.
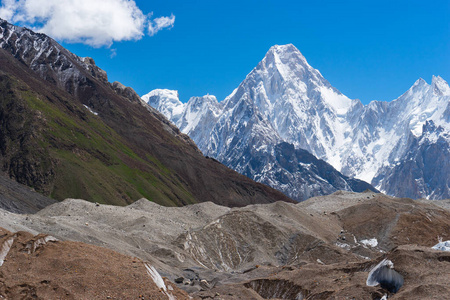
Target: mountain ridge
{"points": [[68, 132], [290, 101]]}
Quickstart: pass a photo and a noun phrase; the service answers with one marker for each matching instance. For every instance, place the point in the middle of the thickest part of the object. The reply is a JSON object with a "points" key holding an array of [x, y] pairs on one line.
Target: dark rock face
{"points": [[425, 170], [22, 158], [126, 91], [297, 173], [18, 198], [67, 132]]}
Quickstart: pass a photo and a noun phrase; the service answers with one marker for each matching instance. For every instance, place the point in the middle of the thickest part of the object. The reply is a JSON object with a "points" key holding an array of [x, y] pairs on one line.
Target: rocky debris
{"points": [[126, 91], [18, 198], [38, 267], [445, 204], [207, 249], [395, 221], [232, 251], [425, 274]]}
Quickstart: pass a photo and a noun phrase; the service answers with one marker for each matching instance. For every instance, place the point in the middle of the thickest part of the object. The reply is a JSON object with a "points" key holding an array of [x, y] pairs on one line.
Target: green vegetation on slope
{"points": [[78, 155]]}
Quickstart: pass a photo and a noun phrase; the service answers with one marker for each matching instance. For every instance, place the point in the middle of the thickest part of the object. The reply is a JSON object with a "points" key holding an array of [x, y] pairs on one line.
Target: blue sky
{"points": [[371, 50]]}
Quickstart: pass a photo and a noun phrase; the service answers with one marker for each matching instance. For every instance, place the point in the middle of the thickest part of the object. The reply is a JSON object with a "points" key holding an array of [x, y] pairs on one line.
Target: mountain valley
{"points": [[103, 197]]}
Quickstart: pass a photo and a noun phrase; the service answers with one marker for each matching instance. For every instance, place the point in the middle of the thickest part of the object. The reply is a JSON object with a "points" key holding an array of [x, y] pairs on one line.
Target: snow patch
{"points": [[4, 250], [442, 246], [90, 110], [370, 242], [40, 242], [340, 103], [343, 245], [158, 280]]}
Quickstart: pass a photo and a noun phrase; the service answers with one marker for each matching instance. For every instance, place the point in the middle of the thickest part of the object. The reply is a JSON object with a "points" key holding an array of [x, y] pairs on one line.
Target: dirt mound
{"points": [[394, 222], [40, 267], [233, 240]]}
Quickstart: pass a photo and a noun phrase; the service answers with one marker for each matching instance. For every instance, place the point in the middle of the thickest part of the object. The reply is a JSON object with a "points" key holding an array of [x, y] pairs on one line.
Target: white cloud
{"points": [[93, 22], [8, 9], [160, 23], [113, 53]]}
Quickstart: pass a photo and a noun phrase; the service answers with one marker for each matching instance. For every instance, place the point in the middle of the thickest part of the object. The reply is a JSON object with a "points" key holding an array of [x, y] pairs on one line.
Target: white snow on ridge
{"points": [[340, 103], [165, 101], [285, 99]]}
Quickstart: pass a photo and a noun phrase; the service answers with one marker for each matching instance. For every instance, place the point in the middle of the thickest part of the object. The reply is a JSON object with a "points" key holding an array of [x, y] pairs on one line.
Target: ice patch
{"points": [[90, 110], [371, 242], [343, 245], [385, 275], [31, 247], [442, 246], [371, 280], [4, 250], [157, 279]]}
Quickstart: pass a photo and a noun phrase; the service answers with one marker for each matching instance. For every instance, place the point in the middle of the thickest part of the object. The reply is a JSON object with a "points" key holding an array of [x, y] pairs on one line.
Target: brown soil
{"points": [[73, 270]]}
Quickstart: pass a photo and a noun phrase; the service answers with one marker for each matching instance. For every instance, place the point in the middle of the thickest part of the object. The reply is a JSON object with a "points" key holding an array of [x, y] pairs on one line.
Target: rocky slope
{"points": [[40, 267], [239, 250], [296, 172], [284, 99], [18, 198], [67, 132], [425, 168], [424, 273]]}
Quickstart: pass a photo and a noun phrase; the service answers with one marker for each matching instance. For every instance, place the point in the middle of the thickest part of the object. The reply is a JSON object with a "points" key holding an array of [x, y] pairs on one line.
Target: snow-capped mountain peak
{"points": [[196, 109], [286, 58], [284, 99], [167, 102], [440, 86]]}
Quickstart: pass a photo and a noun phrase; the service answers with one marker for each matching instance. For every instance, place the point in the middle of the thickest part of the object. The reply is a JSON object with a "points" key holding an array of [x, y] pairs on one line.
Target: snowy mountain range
{"points": [[285, 100]]}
